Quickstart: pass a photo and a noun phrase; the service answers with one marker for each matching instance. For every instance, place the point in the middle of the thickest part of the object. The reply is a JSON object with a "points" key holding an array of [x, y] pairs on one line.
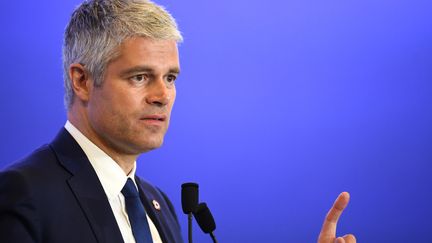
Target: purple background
{"points": [[281, 105]]}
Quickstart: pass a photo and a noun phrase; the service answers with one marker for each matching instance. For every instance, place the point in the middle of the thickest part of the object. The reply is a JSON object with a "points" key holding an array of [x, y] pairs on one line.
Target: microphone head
{"points": [[204, 218], [189, 197]]}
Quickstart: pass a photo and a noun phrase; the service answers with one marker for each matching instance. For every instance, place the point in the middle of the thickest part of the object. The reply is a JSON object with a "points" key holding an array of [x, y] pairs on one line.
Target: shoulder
{"points": [[20, 184], [37, 166], [35, 176], [32, 163], [46, 164], [20, 180]]}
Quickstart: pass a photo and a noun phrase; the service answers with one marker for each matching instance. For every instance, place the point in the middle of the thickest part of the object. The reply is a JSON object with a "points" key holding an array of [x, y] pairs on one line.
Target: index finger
{"points": [[328, 230]]}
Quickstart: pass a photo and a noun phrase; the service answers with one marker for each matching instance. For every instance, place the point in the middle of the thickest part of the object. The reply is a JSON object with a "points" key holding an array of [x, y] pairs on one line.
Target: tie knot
{"points": [[129, 189]]}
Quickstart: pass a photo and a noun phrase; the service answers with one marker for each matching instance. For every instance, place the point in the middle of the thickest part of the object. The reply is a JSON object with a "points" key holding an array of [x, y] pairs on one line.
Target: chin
{"points": [[151, 145]]}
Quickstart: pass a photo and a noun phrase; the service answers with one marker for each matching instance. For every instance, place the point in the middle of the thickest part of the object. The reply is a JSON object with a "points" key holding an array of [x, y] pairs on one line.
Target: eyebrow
{"points": [[138, 69]]}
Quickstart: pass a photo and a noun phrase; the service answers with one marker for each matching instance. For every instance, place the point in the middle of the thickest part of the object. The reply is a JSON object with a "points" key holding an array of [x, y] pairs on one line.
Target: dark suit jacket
{"points": [[54, 196]]}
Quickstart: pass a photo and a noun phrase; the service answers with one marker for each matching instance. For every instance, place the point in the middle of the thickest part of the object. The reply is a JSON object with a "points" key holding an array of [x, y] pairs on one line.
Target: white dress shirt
{"points": [[112, 178]]}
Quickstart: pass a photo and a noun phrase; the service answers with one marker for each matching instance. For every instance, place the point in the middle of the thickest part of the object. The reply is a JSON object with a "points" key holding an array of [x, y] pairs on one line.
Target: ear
{"points": [[81, 81]]}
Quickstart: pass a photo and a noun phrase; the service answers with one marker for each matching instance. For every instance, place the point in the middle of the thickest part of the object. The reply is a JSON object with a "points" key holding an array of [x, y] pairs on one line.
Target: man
{"points": [[120, 64]]}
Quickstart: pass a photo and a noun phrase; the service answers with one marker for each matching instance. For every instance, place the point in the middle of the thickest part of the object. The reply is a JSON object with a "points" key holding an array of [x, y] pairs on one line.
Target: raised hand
{"points": [[328, 230]]}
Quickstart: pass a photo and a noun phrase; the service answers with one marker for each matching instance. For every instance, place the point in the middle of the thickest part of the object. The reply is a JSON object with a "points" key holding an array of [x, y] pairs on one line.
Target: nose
{"points": [[158, 93]]}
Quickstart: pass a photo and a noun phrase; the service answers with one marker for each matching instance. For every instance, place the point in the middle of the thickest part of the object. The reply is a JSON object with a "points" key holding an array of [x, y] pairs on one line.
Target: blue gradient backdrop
{"points": [[281, 105]]}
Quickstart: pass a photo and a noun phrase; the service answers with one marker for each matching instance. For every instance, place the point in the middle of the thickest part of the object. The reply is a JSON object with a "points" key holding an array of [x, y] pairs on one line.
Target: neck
{"points": [[125, 161]]}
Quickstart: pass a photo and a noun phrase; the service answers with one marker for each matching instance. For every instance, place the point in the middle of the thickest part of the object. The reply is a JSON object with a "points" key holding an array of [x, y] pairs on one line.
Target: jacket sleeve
{"points": [[18, 220]]}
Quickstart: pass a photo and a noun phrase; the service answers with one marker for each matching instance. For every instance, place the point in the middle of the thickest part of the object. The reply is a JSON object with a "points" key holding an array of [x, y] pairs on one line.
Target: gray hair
{"points": [[98, 27]]}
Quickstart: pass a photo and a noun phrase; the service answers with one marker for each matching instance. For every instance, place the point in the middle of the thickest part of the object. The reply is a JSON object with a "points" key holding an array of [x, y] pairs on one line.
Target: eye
{"points": [[139, 78], [171, 78]]}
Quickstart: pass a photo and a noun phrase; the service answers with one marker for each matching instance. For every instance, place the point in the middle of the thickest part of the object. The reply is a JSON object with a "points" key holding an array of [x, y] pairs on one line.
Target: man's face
{"points": [[130, 111]]}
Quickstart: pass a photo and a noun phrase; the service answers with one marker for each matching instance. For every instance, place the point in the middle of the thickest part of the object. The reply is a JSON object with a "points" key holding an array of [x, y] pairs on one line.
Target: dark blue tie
{"points": [[136, 213]]}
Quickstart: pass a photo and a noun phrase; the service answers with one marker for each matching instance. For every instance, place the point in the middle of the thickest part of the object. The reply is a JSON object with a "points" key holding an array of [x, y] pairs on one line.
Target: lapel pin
{"points": [[156, 205]]}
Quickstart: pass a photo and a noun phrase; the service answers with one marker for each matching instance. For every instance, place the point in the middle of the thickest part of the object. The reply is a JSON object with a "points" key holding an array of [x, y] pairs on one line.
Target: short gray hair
{"points": [[98, 27]]}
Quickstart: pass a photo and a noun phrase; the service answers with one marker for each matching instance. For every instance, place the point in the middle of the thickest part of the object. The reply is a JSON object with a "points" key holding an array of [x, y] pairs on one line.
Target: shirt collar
{"points": [[110, 174]]}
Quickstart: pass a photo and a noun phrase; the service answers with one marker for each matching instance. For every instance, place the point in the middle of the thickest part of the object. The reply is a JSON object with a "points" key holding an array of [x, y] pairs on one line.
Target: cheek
{"points": [[173, 97], [122, 102], [106, 107]]}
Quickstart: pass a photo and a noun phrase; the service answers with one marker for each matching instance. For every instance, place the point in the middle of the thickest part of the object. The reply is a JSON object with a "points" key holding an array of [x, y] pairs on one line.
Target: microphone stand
{"points": [[212, 235], [190, 227]]}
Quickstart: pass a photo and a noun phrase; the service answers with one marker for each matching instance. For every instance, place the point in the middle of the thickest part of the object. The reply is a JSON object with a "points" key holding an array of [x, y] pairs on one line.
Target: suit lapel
{"points": [[147, 195], [146, 198], [87, 188]]}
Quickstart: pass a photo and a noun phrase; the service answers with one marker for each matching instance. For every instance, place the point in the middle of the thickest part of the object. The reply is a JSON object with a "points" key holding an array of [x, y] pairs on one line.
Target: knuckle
{"points": [[350, 238]]}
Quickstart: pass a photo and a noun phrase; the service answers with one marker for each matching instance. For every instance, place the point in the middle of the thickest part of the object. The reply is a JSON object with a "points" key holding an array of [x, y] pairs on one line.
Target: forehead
{"points": [[158, 54]]}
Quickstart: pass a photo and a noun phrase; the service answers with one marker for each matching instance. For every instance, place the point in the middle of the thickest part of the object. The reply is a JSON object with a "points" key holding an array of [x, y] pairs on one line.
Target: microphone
{"points": [[189, 199], [205, 220]]}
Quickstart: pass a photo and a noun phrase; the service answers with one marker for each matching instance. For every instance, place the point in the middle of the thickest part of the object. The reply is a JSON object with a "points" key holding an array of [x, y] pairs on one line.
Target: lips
{"points": [[156, 118]]}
